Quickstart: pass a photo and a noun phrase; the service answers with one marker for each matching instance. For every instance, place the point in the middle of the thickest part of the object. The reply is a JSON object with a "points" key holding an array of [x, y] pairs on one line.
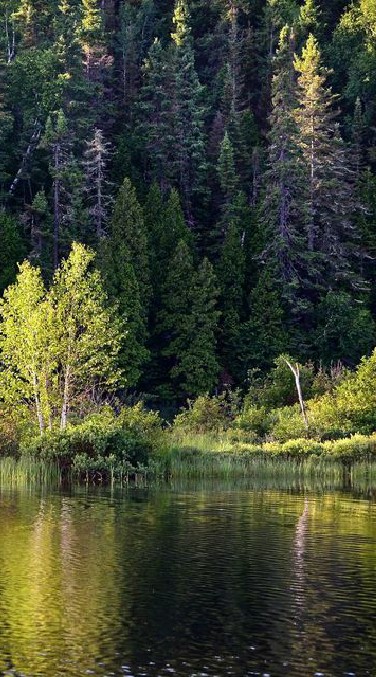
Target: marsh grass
{"points": [[26, 472]]}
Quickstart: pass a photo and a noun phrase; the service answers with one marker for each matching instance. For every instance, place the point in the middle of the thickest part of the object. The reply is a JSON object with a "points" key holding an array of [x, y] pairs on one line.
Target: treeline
{"points": [[219, 158]]}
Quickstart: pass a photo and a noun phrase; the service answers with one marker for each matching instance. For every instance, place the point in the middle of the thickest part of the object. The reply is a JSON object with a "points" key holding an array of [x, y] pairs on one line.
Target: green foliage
{"points": [[102, 443], [223, 118], [207, 414], [57, 346], [345, 331], [12, 250]]}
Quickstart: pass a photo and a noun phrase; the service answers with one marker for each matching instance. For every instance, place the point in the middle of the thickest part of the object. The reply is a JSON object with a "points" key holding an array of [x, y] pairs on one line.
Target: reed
{"points": [[28, 472]]}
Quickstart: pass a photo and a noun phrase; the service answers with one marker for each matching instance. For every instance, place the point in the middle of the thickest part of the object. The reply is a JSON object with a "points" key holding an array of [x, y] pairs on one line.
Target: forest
{"points": [[216, 162]]}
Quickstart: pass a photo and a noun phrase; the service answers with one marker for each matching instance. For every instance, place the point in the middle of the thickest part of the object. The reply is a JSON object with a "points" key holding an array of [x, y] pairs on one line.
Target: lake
{"points": [[188, 580]]}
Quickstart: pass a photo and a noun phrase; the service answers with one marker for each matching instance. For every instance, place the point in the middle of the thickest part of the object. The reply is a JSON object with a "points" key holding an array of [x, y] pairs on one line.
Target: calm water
{"points": [[187, 581]]}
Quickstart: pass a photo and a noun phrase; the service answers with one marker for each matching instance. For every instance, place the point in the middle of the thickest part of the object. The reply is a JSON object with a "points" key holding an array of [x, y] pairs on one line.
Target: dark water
{"points": [[187, 582]]}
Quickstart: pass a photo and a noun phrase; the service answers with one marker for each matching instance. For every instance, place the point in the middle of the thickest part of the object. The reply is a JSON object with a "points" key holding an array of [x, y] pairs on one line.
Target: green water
{"points": [[198, 580]]}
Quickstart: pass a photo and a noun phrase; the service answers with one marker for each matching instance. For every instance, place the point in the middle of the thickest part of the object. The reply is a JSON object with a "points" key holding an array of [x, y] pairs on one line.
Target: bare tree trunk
{"points": [[65, 405], [11, 39], [56, 232], [38, 407], [295, 370], [29, 150]]}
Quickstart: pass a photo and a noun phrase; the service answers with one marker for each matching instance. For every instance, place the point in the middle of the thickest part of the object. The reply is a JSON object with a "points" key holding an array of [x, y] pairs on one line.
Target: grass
{"points": [[27, 472]]}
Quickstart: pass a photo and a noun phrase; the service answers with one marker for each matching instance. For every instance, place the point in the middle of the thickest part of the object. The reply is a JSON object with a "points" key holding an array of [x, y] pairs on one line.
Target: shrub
{"points": [[252, 424], [294, 448], [205, 415], [288, 424], [101, 442]]}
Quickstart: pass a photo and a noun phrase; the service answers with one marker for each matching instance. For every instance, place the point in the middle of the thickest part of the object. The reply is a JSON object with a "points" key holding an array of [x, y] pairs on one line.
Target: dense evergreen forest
{"points": [[220, 159]]}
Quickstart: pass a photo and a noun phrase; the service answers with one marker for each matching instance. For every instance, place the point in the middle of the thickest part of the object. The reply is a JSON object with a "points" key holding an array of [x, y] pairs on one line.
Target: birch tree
{"points": [[89, 336]]}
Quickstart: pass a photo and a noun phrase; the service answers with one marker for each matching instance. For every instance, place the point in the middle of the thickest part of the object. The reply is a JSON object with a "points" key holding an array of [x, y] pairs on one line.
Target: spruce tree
{"points": [[231, 279], [97, 185], [329, 198], [156, 115], [283, 211], [197, 368], [189, 160], [128, 228], [123, 290], [264, 335], [12, 249], [176, 307]]}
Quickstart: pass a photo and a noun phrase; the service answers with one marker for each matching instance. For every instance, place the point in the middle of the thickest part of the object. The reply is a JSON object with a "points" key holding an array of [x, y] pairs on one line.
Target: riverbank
{"points": [[199, 456]]}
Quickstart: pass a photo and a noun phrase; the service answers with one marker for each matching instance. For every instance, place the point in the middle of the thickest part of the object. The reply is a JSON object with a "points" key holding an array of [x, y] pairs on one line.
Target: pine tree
{"points": [[231, 279], [123, 290], [283, 211], [197, 368], [226, 172], [189, 143], [176, 306], [97, 184], [12, 249], [330, 182], [128, 227], [56, 138], [156, 127], [264, 335]]}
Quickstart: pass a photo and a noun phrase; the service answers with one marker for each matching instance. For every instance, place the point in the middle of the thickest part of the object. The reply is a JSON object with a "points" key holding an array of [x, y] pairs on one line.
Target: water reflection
{"points": [[187, 580]]}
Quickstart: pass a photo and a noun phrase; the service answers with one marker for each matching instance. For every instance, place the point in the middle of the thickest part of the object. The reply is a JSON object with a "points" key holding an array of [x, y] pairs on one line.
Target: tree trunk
{"points": [[296, 372], [65, 405], [38, 408], [56, 187]]}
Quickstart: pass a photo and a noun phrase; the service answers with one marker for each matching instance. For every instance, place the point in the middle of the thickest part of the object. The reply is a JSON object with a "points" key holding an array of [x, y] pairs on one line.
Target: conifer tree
{"points": [[123, 290], [56, 138], [197, 367], [189, 149], [283, 211], [330, 181], [128, 227], [97, 184], [231, 279], [156, 126], [12, 249], [226, 172], [264, 334], [176, 306]]}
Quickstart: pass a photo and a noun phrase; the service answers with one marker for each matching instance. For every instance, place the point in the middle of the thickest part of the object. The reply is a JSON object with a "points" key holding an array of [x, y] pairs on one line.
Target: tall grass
{"points": [[28, 472], [187, 463]]}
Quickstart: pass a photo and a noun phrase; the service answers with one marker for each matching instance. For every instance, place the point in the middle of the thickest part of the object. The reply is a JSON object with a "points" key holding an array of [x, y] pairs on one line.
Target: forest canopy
{"points": [[219, 160]]}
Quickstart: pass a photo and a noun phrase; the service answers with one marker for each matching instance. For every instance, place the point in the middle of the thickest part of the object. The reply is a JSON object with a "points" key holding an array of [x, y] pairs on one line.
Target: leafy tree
{"points": [[88, 334], [28, 345], [57, 346]]}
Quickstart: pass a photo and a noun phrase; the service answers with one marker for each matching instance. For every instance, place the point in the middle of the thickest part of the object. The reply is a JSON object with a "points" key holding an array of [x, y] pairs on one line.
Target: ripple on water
{"points": [[192, 583]]}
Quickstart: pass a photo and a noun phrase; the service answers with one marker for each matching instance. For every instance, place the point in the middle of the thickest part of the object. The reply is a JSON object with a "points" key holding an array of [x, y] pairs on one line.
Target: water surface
{"points": [[190, 581]]}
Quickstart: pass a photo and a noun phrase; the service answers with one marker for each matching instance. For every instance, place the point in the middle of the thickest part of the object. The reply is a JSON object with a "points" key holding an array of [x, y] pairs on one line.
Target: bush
{"points": [[253, 424], [102, 442], [298, 448], [289, 424], [207, 415]]}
